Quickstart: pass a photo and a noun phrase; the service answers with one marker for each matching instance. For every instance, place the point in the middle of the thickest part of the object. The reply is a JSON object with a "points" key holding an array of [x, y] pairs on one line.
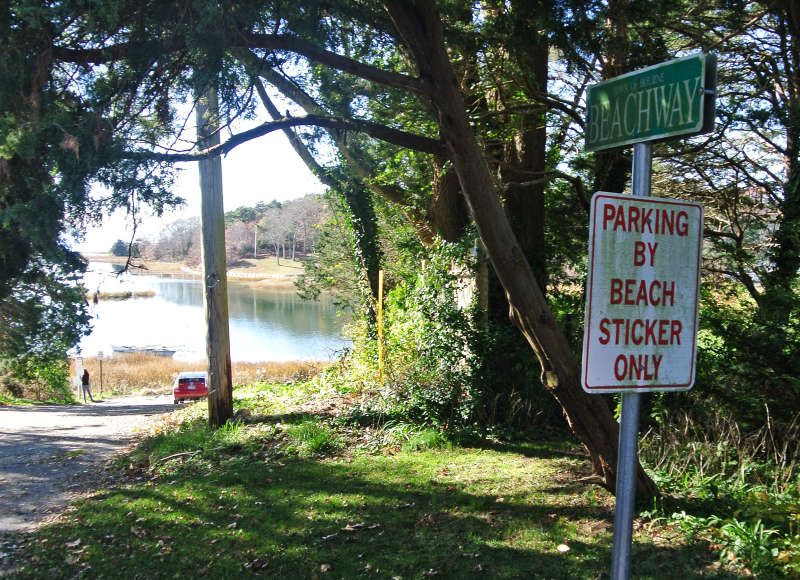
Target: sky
{"points": [[263, 169]]}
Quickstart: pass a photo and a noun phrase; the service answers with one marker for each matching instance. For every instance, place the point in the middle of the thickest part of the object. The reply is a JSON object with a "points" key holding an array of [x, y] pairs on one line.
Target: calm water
{"points": [[265, 325]]}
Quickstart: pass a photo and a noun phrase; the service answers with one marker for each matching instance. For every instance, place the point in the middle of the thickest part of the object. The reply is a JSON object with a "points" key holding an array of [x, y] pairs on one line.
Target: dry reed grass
{"points": [[122, 295], [136, 372], [683, 445]]}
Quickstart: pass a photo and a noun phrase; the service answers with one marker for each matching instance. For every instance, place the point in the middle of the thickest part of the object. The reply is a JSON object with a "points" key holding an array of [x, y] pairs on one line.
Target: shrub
{"points": [[37, 379]]}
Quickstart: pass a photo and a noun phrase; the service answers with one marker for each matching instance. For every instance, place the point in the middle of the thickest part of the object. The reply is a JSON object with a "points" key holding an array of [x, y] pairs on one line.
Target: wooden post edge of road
{"points": [[215, 291]]}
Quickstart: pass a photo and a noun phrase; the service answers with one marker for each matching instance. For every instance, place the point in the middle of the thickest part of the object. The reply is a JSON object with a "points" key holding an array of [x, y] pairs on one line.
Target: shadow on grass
{"points": [[536, 449], [375, 516], [286, 418]]}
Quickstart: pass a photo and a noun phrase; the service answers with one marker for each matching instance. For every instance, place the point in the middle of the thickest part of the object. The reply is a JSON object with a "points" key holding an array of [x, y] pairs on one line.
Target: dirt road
{"points": [[49, 454]]}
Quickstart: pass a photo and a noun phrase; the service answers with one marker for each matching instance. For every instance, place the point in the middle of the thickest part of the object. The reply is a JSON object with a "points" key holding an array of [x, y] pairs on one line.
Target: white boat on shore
{"points": [[154, 350]]}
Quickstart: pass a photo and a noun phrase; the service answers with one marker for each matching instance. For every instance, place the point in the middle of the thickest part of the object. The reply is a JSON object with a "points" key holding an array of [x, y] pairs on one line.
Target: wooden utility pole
{"points": [[215, 295]]}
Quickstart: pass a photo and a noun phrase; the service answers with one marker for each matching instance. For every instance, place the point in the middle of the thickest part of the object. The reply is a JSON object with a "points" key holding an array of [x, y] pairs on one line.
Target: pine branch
{"points": [[375, 130]]}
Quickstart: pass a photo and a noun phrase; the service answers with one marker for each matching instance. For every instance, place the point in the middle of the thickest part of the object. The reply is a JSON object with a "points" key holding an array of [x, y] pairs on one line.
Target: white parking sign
{"points": [[642, 294]]}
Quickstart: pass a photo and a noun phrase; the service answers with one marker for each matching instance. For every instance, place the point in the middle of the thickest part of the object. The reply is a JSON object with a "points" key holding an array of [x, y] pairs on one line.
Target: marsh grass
{"points": [[146, 373], [121, 295]]}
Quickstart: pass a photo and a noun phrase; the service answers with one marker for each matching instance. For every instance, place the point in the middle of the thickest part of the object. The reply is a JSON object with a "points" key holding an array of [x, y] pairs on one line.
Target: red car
{"points": [[190, 385]]}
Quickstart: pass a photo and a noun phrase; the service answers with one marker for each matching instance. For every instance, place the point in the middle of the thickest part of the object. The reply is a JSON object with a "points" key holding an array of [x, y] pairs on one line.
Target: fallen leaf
{"points": [[259, 564], [500, 500], [74, 544], [138, 532], [325, 567]]}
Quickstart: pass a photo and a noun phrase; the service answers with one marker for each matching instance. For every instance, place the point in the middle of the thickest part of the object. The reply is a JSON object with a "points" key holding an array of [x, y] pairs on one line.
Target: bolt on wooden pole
{"points": [[215, 294]]}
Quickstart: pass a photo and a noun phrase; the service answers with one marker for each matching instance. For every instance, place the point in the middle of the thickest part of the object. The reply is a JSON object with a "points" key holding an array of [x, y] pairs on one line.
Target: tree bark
{"points": [[589, 417], [778, 299]]}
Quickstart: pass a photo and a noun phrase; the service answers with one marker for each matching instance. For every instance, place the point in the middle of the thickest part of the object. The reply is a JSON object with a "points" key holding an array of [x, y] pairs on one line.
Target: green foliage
{"points": [[43, 316], [426, 439], [62, 129], [119, 248], [746, 362], [310, 438], [738, 491], [443, 361], [36, 379], [331, 266], [431, 340]]}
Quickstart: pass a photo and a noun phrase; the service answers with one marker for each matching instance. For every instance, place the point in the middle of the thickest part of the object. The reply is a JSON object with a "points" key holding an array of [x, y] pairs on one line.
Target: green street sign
{"points": [[671, 99]]}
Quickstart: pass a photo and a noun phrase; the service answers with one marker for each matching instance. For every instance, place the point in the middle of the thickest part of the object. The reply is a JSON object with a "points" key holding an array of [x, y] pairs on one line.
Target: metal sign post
{"points": [[640, 333], [629, 427]]}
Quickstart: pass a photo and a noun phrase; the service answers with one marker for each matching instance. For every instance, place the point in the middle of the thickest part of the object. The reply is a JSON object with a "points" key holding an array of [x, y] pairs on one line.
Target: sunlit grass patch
{"points": [[426, 439], [311, 438], [9, 400]]}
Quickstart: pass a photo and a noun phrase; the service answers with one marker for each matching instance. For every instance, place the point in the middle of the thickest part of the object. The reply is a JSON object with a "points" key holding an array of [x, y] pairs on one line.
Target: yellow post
{"points": [[380, 328]]}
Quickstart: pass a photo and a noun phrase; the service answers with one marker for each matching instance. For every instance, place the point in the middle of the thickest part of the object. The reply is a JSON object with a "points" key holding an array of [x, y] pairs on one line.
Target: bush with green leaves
{"points": [[41, 318], [432, 341], [36, 378]]}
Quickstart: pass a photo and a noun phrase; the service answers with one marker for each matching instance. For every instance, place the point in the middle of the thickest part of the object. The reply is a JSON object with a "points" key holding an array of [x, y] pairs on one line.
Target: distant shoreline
{"points": [[244, 275]]}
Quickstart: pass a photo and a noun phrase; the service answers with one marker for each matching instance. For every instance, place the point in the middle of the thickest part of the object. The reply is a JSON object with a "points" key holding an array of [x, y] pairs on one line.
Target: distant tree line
{"points": [[285, 230]]}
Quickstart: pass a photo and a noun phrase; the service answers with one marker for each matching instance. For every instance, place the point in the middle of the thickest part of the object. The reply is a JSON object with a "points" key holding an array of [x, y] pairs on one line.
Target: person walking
{"points": [[85, 385]]}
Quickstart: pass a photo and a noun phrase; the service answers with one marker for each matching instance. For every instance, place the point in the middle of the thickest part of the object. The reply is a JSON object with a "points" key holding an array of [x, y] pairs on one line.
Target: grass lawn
{"points": [[6, 400], [267, 266], [297, 491]]}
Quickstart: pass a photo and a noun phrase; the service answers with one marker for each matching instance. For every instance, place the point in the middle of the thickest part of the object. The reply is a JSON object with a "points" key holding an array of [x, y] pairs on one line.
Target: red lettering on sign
{"points": [[639, 257], [659, 221], [608, 214], [637, 367], [640, 331], [640, 292], [675, 335]]}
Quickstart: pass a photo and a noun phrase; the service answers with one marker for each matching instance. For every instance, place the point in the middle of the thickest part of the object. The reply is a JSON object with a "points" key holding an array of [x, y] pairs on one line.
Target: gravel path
{"points": [[50, 454]]}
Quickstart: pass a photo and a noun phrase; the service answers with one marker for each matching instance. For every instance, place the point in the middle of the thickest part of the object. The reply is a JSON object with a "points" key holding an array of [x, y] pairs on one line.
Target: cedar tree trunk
{"points": [[589, 416]]}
